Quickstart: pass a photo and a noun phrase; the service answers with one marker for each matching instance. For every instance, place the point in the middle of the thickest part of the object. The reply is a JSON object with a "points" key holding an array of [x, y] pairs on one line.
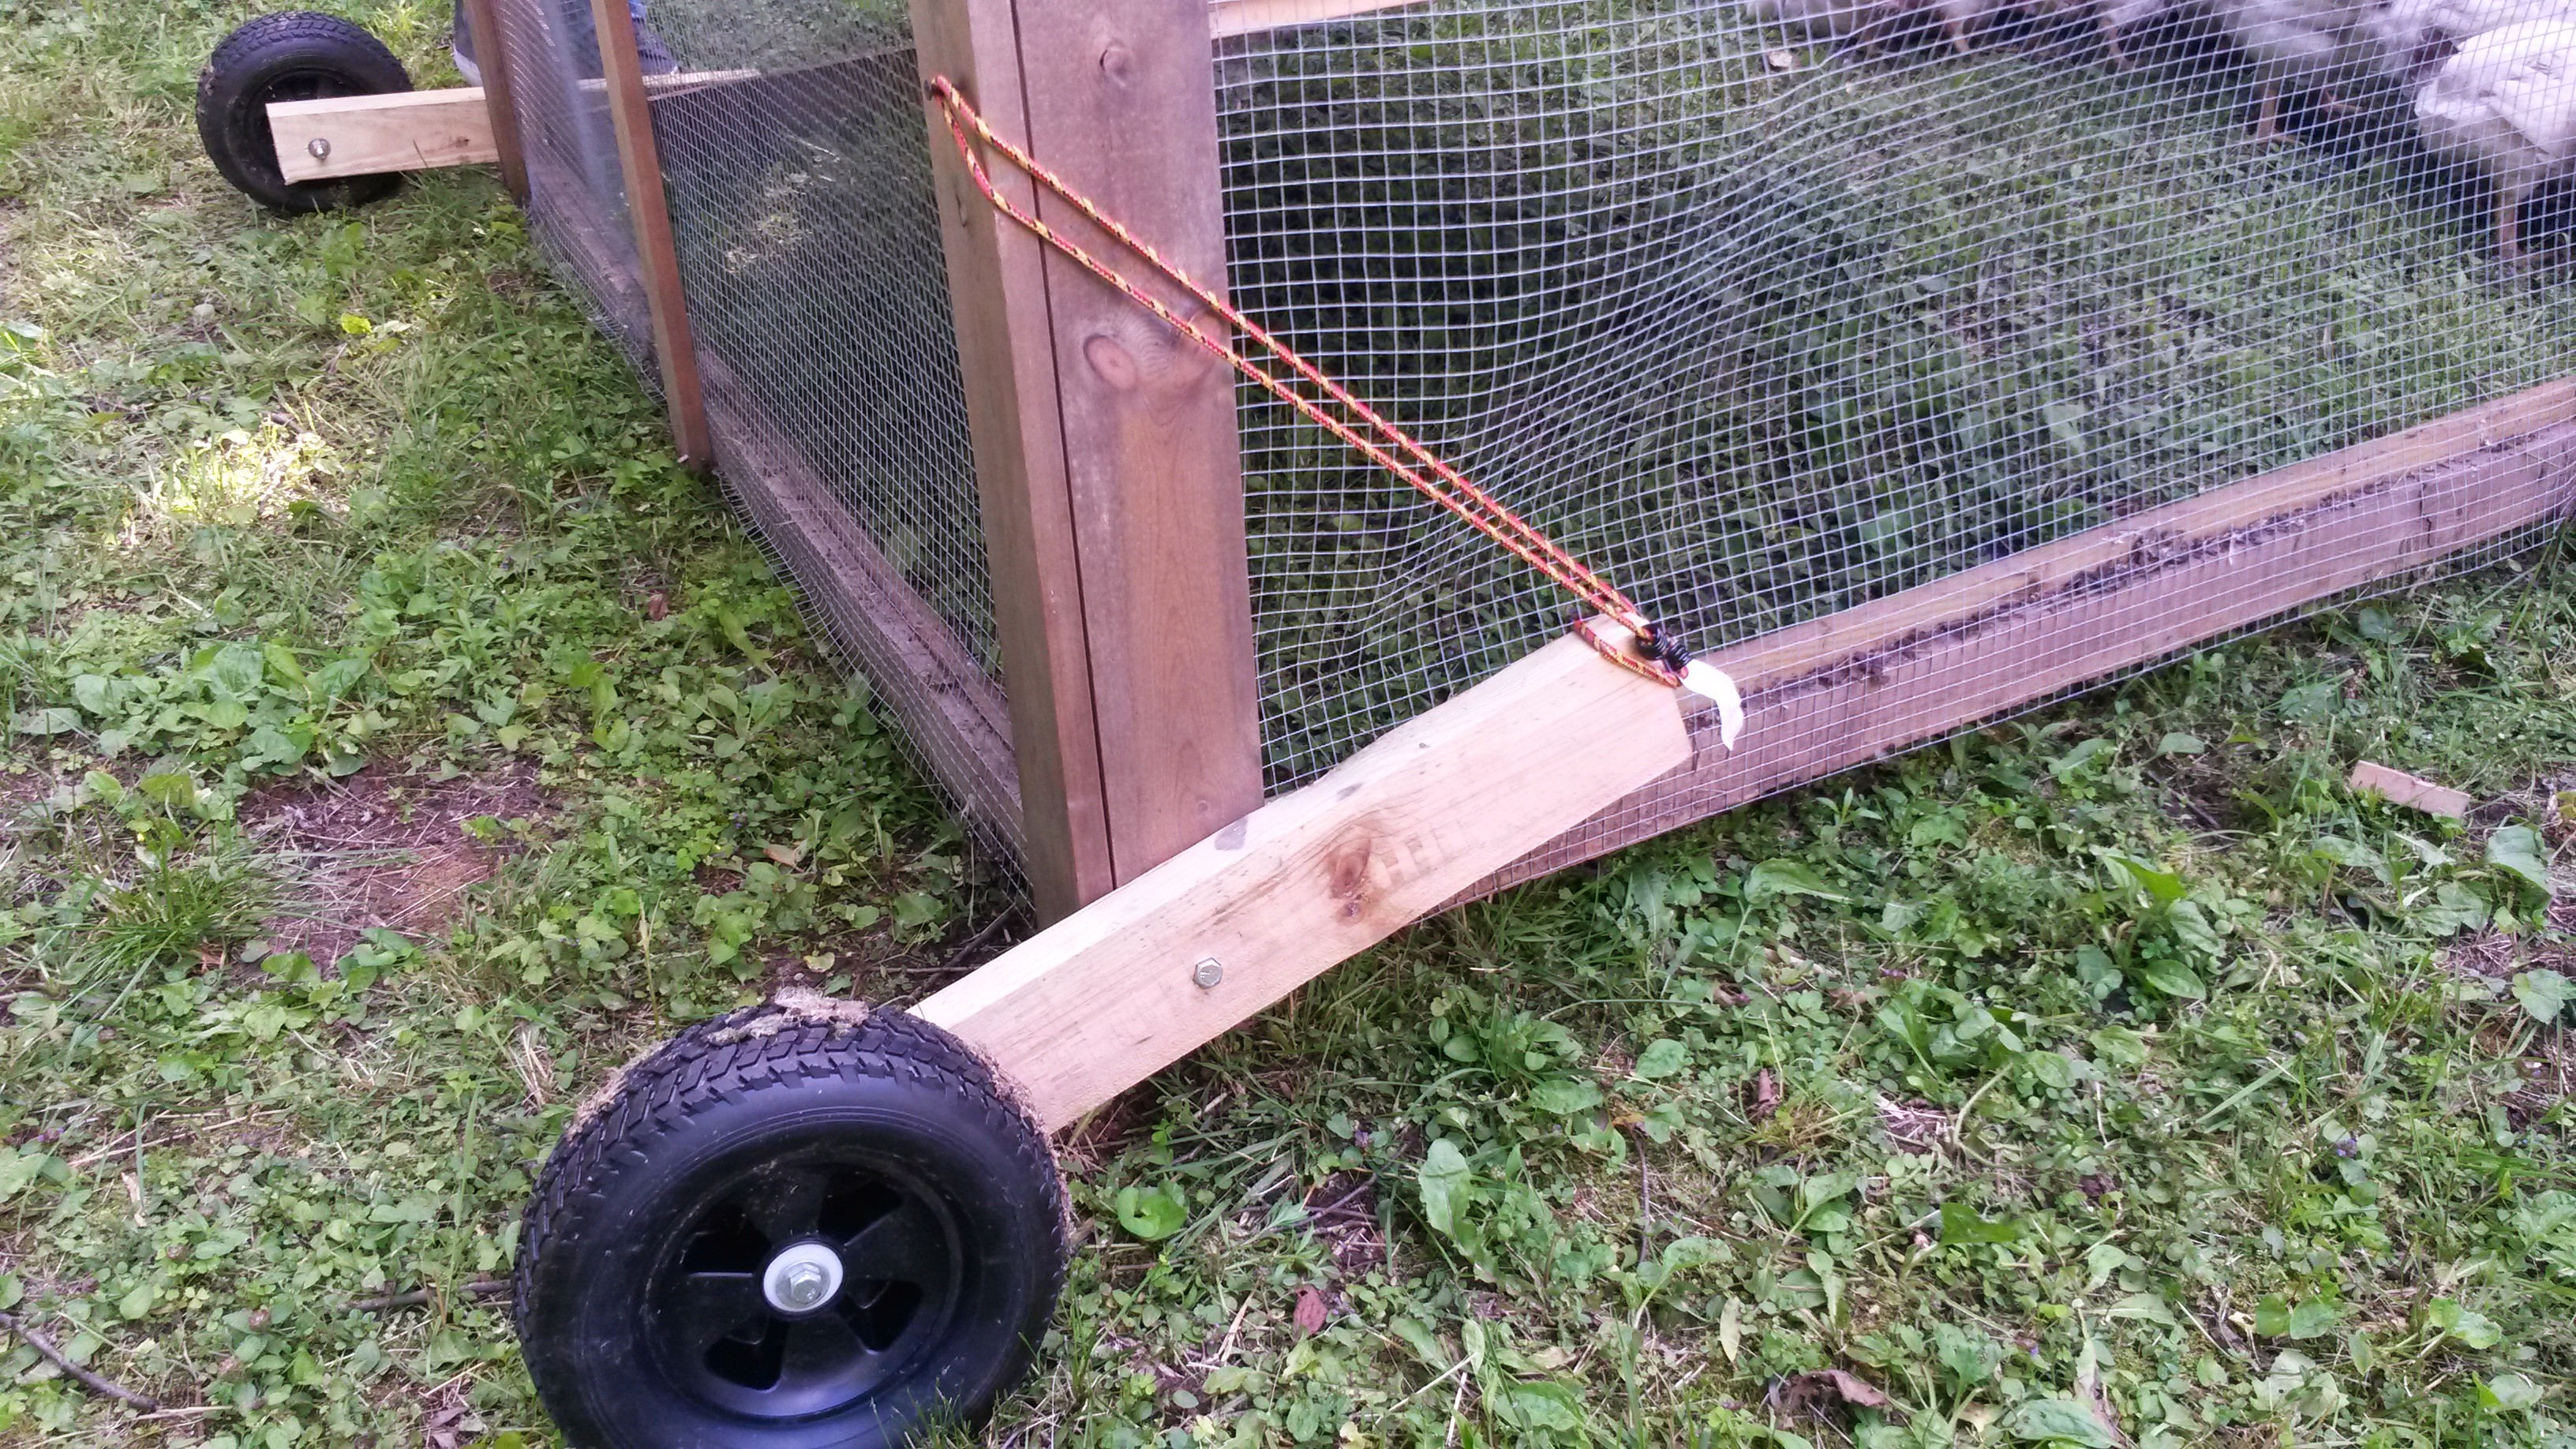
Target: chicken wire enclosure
{"points": [[1915, 362], [577, 195], [1771, 317], [796, 179]]}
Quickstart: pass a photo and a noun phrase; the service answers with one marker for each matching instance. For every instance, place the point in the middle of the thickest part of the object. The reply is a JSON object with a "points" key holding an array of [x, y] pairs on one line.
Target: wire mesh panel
{"points": [[797, 181], [576, 194], [809, 249], [1771, 311]]}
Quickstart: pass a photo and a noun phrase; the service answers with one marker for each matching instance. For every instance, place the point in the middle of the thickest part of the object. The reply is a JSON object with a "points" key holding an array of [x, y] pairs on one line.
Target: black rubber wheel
{"points": [[658, 1297], [294, 56]]}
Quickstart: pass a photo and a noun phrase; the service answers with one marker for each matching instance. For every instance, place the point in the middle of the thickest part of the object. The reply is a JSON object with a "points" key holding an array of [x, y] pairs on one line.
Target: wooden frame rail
{"points": [[1180, 956], [648, 208], [1865, 683]]}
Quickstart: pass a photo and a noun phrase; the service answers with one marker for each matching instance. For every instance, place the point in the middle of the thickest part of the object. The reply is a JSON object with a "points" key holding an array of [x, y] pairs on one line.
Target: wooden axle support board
{"points": [[425, 130]]}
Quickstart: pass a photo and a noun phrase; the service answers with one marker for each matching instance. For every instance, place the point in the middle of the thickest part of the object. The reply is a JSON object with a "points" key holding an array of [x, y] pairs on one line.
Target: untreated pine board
{"points": [[1112, 994], [997, 290], [364, 135], [2276, 544], [1121, 98], [648, 209], [425, 130]]}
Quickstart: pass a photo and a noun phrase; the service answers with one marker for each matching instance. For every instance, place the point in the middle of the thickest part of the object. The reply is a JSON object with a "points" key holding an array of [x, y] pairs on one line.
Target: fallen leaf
{"points": [[786, 855], [656, 606], [1766, 1095], [1780, 59], [1854, 1390], [1310, 1313]]}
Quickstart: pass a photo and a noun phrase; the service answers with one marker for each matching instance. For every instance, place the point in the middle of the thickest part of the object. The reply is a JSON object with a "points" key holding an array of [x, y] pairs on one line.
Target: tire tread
{"points": [[716, 1059]]}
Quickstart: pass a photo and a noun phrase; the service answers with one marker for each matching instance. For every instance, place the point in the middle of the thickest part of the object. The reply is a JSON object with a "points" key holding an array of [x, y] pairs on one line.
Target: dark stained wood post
{"points": [[492, 58], [649, 209], [1105, 449]]}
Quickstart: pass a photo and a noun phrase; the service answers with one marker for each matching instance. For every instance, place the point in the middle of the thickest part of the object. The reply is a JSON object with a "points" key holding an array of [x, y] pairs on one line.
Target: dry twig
{"points": [[419, 1297], [75, 1372]]}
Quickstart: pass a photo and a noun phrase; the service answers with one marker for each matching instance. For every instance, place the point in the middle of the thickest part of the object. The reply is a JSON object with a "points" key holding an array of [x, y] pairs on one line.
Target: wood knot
{"points": [[1118, 63], [1346, 872], [1110, 359]]}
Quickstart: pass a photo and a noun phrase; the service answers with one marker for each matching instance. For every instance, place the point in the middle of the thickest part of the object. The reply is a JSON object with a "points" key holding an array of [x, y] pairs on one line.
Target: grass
{"points": [[396, 743]]}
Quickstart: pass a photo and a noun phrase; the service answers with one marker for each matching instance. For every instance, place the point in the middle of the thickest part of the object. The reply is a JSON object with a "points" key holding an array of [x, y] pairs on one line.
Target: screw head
{"points": [[319, 147], [1207, 973], [802, 1278]]}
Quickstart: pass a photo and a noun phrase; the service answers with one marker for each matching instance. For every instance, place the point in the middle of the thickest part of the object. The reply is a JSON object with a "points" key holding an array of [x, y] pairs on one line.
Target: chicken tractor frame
{"points": [[808, 1223]]}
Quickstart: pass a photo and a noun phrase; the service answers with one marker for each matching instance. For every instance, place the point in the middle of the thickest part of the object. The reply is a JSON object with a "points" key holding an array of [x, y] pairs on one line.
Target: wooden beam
{"points": [[1248, 17], [492, 58], [997, 291], [1862, 684], [364, 135], [425, 130], [1115, 992], [1106, 452], [1124, 107], [648, 209]]}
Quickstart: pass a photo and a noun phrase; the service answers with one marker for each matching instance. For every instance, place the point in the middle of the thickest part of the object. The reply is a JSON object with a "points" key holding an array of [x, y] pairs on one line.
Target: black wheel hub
{"points": [[294, 85], [720, 1338]]}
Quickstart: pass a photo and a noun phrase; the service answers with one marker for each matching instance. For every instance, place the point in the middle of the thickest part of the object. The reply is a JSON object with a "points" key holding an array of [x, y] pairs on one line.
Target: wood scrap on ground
{"points": [[2412, 791]]}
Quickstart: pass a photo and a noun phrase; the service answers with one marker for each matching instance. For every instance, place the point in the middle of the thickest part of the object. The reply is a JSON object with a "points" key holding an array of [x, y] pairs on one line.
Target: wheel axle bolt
{"points": [[802, 1278], [320, 146], [803, 1286]]}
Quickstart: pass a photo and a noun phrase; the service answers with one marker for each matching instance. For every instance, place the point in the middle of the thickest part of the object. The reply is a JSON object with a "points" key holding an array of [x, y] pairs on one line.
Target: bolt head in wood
{"points": [[1207, 973], [320, 147]]}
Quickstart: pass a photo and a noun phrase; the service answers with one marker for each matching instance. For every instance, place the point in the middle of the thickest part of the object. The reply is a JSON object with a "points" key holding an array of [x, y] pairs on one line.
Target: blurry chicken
{"points": [[2424, 33], [1960, 19], [2311, 46], [1818, 19], [2505, 103]]}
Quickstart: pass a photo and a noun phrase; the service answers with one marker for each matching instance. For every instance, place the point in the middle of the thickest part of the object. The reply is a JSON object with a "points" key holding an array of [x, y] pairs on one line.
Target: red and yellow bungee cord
{"points": [[1639, 644]]}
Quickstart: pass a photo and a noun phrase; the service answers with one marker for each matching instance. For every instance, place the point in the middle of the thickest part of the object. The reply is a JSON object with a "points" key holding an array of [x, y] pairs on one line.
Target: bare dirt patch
{"points": [[1342, 1214], [384, 850]]}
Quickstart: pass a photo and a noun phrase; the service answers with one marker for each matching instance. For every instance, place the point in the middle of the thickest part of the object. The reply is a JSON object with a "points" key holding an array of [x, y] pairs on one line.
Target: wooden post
{"points": [[492, 57], [649, 209], [1105, 450]]}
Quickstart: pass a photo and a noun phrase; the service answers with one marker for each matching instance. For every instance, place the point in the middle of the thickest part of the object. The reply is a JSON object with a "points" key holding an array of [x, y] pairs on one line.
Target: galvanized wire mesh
{"points": [[1771, 319], [577, 196], [1770, 310], [796, 176], [809, 251]]}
